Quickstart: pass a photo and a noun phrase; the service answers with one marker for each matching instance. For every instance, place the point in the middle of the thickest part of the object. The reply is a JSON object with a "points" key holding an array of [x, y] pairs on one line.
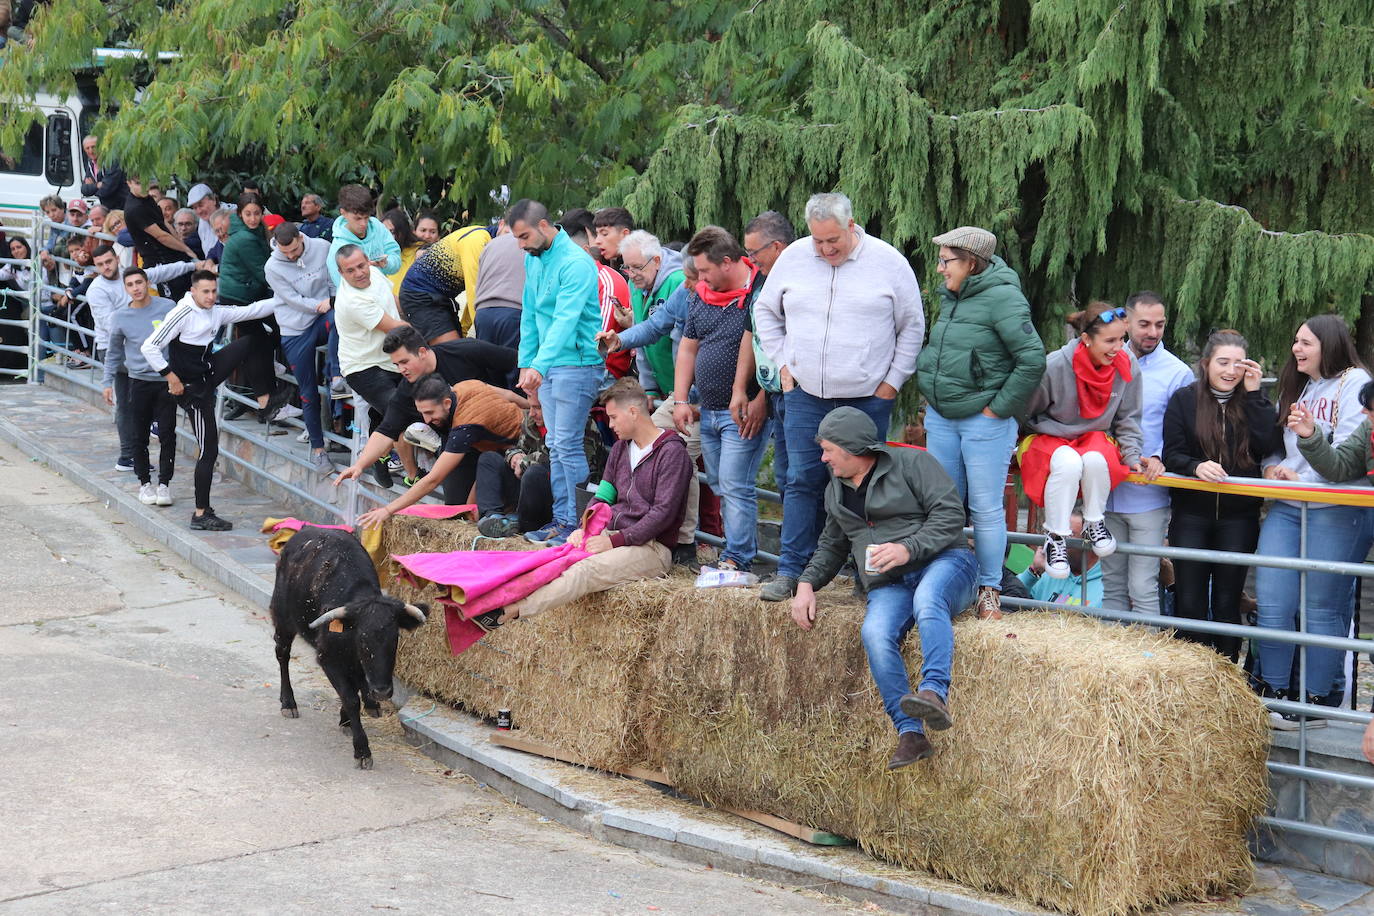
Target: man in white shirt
{"points": [[364, 311], [1138, 513], [840, 315]]}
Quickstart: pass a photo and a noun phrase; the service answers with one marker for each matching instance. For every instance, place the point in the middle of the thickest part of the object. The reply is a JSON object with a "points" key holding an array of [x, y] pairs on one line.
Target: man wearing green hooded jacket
{"points": [[895, 512]]}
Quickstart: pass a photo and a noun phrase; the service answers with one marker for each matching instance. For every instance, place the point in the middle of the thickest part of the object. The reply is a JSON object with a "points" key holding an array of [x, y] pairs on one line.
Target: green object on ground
{"points": [[1019, 558]]}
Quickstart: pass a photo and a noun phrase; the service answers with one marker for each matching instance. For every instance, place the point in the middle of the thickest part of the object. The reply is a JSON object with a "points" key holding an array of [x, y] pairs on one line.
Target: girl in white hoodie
{"points": [[1323, 377]]}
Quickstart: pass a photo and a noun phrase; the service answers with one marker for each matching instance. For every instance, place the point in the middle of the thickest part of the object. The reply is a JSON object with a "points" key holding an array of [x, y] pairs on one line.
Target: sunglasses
{"points": [[1107, 317]]}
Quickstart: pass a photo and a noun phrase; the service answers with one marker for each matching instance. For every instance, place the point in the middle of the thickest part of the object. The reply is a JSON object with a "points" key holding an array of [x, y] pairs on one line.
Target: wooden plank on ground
{"points": [[517, 742]]}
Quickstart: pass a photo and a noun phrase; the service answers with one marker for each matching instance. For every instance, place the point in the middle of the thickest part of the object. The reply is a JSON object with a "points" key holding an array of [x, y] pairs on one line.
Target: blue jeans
{"points": [[732, 467], [803, 502], [1336, 533], [975, 451], [567, 396], [300, 352], [777, 410], [929, 597]]}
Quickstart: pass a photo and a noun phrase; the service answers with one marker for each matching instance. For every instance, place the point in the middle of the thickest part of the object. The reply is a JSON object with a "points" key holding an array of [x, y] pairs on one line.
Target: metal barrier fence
{"points": [[38, 228]]}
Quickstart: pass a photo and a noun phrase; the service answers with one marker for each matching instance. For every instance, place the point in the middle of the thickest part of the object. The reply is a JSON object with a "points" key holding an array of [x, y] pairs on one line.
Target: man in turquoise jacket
{"points": [[356, 225], [560, 366]]}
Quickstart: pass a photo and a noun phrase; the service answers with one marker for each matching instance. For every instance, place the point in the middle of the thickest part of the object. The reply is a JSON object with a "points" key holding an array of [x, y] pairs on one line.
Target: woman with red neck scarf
{"points": [[1085, 423]]}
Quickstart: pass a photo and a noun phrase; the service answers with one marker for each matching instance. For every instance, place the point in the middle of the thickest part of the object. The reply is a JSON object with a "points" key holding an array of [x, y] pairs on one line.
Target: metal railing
{"points": [[37, 230], [1302, 771]]}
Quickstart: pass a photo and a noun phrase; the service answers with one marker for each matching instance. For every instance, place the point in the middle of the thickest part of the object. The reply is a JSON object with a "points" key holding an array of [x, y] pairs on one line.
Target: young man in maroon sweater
{"points": [[649, 469]]}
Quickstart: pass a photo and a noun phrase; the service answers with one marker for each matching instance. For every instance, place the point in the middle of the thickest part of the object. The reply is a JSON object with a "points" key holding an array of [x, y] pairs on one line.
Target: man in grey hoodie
{"points": [[299, 278], [894, 511], [148, 397]]}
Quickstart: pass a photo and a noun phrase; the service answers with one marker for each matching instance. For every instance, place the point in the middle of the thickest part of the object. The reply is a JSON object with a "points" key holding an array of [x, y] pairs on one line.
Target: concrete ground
{"points": [[144, 766]]}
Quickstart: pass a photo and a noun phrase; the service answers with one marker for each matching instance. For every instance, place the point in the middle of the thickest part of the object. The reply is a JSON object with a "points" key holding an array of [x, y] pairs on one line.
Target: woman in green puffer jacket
{"points": [[242, 280], [982, 363]]}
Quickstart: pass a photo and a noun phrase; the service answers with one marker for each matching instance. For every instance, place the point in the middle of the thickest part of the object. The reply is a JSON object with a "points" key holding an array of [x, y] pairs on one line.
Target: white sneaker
{"points": [[147, 494], [1056, 557], [422, 435], [1096, 534], [164, 495], [304, 436]]}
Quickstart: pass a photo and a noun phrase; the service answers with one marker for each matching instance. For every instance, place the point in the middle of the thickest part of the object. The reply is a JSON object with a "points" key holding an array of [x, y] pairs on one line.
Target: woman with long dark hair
{"points": [[1320, 384], [1220, 426], [398, 224]]}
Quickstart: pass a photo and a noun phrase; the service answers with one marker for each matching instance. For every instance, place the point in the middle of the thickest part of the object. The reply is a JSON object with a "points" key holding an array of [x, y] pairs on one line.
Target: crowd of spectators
{"points": [[481, 358]]}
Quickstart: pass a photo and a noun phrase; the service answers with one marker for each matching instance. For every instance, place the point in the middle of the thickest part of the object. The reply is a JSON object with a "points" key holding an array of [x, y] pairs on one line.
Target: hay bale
{"points": [[1093, 769], [571, 677]]}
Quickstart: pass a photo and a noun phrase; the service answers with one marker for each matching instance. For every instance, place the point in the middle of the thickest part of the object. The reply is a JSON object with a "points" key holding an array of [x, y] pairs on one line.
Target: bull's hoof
{"points": [[345, 727], [374, 711], [290, 712], [364, 763]]}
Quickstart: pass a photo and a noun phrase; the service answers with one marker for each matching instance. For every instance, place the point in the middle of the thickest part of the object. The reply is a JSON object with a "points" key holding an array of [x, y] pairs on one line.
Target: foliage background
{"points": [[1218, 151]]}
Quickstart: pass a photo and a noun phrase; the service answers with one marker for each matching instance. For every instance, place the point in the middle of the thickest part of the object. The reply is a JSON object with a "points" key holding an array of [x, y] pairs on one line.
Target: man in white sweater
{"points": [[193, 370], [300, 280], [840, 314]]}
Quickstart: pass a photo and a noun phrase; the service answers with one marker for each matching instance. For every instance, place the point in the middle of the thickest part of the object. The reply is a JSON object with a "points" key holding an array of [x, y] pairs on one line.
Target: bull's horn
{"points": [[339, 613], [415, 612]]}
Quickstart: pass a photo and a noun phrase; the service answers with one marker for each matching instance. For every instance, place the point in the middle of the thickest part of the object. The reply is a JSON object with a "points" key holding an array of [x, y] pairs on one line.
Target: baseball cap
{"points": [[198, 193]]}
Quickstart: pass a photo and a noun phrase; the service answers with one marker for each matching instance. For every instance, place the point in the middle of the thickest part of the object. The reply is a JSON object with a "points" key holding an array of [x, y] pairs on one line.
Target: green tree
{"points": [[1218, 151], [430, 101]]}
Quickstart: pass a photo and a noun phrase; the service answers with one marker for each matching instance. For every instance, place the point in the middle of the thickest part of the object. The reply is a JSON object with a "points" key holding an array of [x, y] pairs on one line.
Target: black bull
{"points": [[327, 593]]}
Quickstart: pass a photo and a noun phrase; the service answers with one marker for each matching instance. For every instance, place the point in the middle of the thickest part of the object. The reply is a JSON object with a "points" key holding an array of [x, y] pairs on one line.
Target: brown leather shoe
{"points": [[927, 706], [911, 747]]}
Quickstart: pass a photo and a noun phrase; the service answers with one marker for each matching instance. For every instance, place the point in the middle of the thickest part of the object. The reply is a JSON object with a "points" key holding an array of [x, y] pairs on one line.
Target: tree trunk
{"points": [[1364, 326]]}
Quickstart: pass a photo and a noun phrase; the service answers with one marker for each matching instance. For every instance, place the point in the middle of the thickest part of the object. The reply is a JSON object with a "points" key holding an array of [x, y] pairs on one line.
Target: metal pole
{"points": [[360, 436], [1302, 663]]}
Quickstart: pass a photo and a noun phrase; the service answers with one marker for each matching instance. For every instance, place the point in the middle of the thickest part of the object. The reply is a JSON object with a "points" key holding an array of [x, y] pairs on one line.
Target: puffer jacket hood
{"points": [[851, 429], [672, 261]]}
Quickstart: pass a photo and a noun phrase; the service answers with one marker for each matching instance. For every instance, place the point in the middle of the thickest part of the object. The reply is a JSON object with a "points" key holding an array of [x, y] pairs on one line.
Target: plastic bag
{"points": [[710, 577]]}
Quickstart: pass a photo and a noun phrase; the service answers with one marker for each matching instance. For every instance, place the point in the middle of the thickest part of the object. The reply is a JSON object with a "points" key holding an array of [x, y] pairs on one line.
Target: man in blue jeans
{"points": [[560, 366], [895, 511], [299, 278], [709, 355], [841, 317]]}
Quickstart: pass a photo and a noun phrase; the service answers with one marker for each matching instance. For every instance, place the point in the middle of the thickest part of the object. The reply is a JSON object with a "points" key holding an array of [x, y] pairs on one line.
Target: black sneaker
{"points": [[498, 525], [209, 521], [1056, 557], [382, 474], [686, 555], [279, 397]]}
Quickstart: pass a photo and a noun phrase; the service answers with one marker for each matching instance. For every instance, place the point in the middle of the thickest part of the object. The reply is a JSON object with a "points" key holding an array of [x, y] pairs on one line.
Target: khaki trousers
{"points": [[597, 573], [663, 419]]}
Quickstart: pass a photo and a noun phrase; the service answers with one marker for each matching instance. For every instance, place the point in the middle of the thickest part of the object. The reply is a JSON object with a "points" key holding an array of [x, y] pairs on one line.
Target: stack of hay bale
{"points": [[1091, 768]]}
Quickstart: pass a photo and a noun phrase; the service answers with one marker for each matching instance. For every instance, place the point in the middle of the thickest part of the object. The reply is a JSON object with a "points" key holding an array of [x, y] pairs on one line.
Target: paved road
{"points": [[144, 766]]}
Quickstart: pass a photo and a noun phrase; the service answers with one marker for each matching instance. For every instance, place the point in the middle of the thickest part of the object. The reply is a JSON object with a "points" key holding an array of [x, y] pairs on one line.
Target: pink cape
{"points": [[476, 581]]}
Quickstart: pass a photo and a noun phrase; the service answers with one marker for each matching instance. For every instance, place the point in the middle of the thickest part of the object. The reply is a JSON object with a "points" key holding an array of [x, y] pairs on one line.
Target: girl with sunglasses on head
{"points": [[1085, 423], [1322, 403], [1220, 426]]}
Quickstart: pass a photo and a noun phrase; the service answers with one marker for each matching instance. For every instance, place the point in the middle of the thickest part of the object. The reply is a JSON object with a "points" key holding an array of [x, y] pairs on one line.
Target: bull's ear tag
{"points": [[336, 626]]}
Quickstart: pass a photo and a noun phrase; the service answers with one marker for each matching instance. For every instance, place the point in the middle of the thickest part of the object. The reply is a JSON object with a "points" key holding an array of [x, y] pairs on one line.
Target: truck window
{"points": [[30, 161]]}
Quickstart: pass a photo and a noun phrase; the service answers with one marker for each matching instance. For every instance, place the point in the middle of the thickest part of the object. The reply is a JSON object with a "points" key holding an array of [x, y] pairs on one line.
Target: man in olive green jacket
{"points": [[895, 511]]}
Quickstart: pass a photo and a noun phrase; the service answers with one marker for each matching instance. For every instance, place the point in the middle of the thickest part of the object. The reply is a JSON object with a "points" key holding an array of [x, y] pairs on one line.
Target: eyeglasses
{"points": [[1107, 317], [639, 269], [755, 252], [945, 262]]}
